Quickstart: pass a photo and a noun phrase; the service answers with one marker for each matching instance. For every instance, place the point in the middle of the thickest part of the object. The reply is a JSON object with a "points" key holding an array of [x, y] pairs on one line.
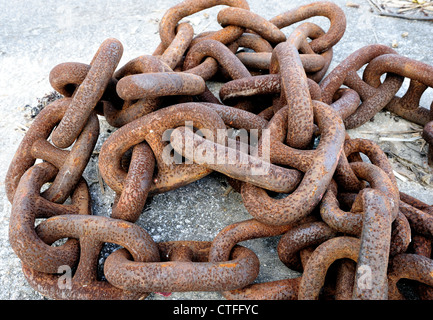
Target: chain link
{"points": [[277, 90]]}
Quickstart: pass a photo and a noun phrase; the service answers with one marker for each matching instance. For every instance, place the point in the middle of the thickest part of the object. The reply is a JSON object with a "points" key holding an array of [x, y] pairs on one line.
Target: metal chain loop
{"points": [[34, 146], [88, 93]]}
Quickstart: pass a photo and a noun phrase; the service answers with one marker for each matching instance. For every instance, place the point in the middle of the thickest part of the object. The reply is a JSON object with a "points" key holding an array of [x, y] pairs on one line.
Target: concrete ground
{"points": [[36, 36]]}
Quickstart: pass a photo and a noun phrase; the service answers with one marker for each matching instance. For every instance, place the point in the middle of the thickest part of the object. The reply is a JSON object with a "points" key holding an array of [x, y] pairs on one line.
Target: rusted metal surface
{"points": [[29, 205], [408, 266], [123, 111], [151, 128], [130, 202], [351, 222], [34, 146], [322, 8], [318, 166], [285, 60], [375, 246], [300, 175], [321, 259], [301, 237], [88, 93], [234, 163], [373, 99], [249, 20], [92, 232], [173, 15], [186, 270]]}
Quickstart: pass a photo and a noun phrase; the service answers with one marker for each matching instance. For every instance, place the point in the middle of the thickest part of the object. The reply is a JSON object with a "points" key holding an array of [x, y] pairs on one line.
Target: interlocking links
{"points": [[219, 52], [129, 204], [119, 114], [321, 259], [262, 61], [315, 65], [66, 77], [318, 166], [418, 72], [173, 15], [29, 205], [92, 232], [421, 78], [187, 268], [374, 153], [172, 56], [254, 42], [279, 128], [139, 86], [286, 289], [350, 222], [420, 221], [234, 162], [239, 119], [300, 237], [345, 102], [294, 88], [218, 154], [427, 134], [151, 128], [149, 88], [408, 266], [228, 238], [88, 93], [34, 146], [416, 203], [328, 9], [251, 21], [373, 99], [299, 37], [216, 55], [401, 236], [259, 85], [423, 246], [375, 246]]}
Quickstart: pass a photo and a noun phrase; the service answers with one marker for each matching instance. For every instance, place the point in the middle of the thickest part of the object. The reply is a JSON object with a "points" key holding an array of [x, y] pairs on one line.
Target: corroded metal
{"points": [[151, 128], [187, 269], [92, 232], [276, 130], [321, 259], [29, 205], [409, 266], [34, 146], [88, 93], [322, 8], [173, 15], [318, 165]]}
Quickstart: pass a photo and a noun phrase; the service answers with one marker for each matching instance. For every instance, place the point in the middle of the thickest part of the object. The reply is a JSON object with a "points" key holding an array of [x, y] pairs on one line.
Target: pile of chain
{"points": [[338, 206]]}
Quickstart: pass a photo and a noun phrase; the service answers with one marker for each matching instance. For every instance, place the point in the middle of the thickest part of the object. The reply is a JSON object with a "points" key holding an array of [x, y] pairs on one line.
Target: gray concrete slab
{"points": [[36, 36]]}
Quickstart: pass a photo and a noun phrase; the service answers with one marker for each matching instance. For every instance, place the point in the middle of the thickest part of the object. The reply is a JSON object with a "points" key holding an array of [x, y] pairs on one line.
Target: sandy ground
{"points": [[36, 36]]}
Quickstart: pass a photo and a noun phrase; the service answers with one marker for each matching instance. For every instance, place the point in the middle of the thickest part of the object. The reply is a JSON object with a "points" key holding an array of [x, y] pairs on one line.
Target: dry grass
{"points": [[409, 9]]}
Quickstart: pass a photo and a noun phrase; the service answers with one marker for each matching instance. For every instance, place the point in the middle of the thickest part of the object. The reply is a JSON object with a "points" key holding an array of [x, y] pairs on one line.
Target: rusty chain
{"points": [[338, 207]]}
